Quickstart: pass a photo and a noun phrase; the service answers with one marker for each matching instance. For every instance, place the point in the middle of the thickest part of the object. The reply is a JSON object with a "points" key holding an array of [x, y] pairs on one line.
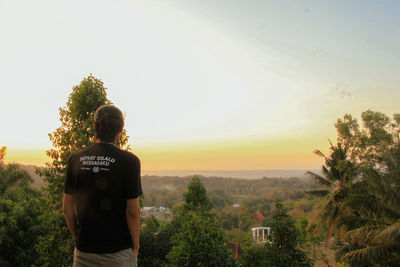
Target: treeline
{"points": [[251, 196], [167, 191], [195, 237]]}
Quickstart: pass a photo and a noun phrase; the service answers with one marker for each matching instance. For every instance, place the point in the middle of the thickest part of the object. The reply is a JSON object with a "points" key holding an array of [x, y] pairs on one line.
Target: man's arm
{"points": [[133, 220], [69, 213]]}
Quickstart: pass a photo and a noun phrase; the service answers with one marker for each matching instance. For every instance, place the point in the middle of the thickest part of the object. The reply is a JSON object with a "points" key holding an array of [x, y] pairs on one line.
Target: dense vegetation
{"points": [[362, 199], [354, 200]]}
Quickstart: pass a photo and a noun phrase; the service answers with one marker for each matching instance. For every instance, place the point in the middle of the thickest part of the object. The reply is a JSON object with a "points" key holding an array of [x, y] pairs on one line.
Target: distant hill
{"points": [[242, 174], [30, 169]]}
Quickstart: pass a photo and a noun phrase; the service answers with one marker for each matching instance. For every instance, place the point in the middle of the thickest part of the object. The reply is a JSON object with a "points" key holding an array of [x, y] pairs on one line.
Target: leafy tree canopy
{"points": [[282, 248], [19, 211], [199, 240], [368, 143], [366, 209], [196, 198], [75, 133]]}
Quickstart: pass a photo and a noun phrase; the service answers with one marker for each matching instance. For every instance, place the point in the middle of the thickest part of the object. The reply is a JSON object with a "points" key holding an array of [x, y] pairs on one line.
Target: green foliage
{"points": [[19, 230], [301, 226], [228, 219], [246, 218], [75, 133], [282, 248], [314, 237], [255, 256], [155, 242], [372, 223], [284, 232], [219, 198], [19, 209], [338, 175], [367, 144], [196, 198], [12, 176], [244, 238], [370, 209], [257, 194], [192, 238], [199, 240]]}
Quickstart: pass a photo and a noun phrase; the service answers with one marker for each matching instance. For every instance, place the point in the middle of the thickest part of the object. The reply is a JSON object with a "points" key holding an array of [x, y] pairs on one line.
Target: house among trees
{"points": [[260, 234], [148, 211]]}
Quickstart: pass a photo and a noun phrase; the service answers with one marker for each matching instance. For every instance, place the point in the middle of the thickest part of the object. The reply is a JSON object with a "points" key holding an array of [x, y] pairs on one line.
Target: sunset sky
{"points": [[211, 84]]}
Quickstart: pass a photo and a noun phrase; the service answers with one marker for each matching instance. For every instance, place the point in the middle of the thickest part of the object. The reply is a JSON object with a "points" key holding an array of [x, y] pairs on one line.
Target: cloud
{"points": [[342, 91]]}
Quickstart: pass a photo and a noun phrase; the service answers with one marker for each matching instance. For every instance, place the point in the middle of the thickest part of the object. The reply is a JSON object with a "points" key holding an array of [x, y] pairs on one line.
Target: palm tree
{"points": [[373, 226], [337, 176]]}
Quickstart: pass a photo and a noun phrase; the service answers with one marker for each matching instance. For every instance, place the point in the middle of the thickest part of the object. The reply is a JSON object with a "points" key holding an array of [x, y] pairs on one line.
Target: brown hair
{"points": [[108, 123]]}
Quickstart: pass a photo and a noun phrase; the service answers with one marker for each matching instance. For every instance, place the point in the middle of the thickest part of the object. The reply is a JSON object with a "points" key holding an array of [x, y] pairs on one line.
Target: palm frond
{"points": [[319, 153], [390, 233], [375, 254], [326, 173], [365, 234], [318, 178], [370, 204], [352, 221]]}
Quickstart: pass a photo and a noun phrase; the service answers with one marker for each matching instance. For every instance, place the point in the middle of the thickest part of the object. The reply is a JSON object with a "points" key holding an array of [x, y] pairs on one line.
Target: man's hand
{"points": [[135, 252]]}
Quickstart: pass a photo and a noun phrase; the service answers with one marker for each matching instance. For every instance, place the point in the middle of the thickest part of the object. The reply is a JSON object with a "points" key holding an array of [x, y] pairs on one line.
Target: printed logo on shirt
{"points": [[96, 163]]}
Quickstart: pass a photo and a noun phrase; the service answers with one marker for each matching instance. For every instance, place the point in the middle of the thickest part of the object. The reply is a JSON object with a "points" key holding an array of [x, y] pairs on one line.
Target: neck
{"points": [[103, 142]]}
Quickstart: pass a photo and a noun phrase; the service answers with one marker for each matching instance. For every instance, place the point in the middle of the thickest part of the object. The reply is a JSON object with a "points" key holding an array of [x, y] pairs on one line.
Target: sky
{"points": [[211, 84]]}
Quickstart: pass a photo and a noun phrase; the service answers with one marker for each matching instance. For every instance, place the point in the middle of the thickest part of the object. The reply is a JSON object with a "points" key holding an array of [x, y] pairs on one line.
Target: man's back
{"points": [[101, 178]]}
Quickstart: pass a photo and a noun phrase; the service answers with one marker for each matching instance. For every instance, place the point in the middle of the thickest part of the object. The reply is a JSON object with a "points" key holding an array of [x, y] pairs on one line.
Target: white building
{"points": [[260, 234]]}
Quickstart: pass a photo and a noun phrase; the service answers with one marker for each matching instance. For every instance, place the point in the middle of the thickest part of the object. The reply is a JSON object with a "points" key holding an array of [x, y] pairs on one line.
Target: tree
{"points": [[373, 227], [371, 203], [282, 248], [367, 144], [19, 211], [13, 176], [199, 241], [155, 242], [337, 177], [20, 228], [75, 133], [195, 199]]}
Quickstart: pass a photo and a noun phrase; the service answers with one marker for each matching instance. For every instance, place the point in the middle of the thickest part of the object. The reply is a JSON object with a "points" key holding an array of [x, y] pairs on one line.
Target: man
{"points": [[101, 197]]}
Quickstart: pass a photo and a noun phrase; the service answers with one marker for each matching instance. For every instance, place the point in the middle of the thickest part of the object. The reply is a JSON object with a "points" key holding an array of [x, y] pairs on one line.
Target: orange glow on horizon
{"points": [[295, 153]]}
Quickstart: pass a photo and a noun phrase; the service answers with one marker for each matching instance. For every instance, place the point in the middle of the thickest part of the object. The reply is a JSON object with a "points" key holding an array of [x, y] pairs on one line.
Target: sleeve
{"points": [[133, 185], [69, 182]]}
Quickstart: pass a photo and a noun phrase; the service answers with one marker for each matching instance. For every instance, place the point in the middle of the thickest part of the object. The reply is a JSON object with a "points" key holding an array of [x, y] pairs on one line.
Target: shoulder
{"points": [[129, 156]]}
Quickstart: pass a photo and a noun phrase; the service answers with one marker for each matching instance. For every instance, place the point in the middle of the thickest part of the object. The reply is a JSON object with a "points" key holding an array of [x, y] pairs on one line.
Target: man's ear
{"points": [[118, 136]]}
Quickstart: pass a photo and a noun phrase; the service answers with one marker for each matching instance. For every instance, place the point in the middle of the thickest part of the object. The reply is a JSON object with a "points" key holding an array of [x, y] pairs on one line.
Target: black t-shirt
{"points": [[101, 178]]}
